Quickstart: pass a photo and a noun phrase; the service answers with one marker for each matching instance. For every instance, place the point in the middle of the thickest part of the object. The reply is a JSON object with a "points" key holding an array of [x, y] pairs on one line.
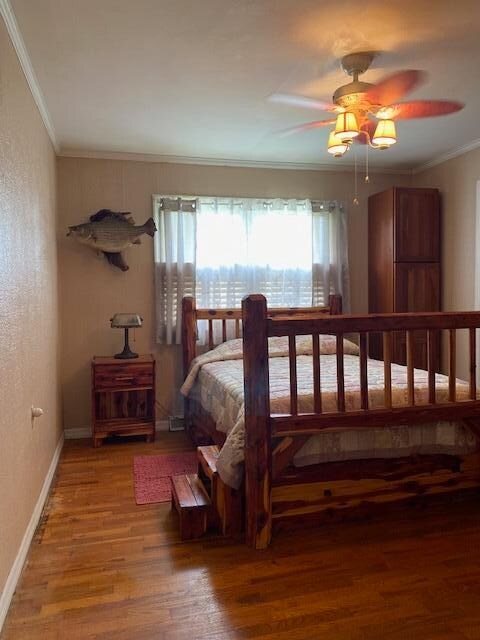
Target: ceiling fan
{"points": [[366, 113]]}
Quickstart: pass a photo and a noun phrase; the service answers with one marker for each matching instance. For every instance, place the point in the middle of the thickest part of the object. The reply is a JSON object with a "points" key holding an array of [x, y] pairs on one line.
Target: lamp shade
{"points": [[335, 146], [346, 126], [124, 320], [385, 134]]}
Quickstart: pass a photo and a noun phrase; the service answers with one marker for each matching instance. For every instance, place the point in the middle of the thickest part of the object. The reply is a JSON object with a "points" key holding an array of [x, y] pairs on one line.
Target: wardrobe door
{"points": [[380, 262], [380, 252], [417, 225], [417, 288]]}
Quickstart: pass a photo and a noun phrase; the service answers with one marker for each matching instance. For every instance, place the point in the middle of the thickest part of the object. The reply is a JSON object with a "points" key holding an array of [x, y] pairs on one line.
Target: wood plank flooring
{"points": [[101, 567]]}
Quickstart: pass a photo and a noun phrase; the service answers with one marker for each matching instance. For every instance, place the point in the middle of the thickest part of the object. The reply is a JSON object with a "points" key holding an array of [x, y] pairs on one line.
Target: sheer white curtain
{"points": [[174, 250], [330, 272], [220, 249]]}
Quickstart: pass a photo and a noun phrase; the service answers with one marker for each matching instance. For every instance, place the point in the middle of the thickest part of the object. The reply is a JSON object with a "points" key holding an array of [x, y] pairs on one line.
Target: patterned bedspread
{"points": [[216, 379]]}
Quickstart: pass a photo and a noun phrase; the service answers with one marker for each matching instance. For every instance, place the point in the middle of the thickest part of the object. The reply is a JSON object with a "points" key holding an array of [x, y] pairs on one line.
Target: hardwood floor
{"points": [[102, 567]]}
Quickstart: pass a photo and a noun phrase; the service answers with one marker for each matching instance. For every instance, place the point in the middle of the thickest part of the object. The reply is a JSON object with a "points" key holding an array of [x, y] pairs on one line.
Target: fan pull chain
{"points": [[355, 197], [367, 177]]}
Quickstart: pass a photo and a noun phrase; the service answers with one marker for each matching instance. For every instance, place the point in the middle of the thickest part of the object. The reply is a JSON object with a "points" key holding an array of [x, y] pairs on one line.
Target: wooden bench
{"points": [[207, 471], [207, 458], [226, 514], [191, 500]]}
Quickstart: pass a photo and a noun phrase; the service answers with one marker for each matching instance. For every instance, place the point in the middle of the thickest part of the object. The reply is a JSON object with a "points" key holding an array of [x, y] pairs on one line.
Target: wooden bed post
{"points": [[335, 304], [189, 341], [189, 332], [258, 443]]}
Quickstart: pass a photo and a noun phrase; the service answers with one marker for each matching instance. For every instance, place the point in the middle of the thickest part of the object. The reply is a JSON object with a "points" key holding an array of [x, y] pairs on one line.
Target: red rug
{"points": [[152, 475]]}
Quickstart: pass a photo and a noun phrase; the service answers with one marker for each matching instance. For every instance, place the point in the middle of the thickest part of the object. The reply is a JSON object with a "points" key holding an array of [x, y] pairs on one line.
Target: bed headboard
{"points": [[231, 319]]}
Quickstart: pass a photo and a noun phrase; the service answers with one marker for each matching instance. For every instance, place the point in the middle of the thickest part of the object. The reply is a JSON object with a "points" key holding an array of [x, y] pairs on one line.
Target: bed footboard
{"points": [[271, 441]]}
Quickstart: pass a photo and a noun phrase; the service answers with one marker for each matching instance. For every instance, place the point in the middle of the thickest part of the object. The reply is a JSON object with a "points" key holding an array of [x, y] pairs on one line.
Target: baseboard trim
{"points": [[75, 433], [17, 567]]}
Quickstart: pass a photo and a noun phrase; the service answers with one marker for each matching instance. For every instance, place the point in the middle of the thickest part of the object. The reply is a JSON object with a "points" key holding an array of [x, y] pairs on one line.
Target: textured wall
{"points": [[457, 180], [28, 305], [92, 290]]}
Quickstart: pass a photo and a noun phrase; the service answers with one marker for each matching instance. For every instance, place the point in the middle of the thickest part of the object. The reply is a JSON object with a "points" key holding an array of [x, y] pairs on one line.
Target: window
{"points": [[221, 249], [246, 246]]}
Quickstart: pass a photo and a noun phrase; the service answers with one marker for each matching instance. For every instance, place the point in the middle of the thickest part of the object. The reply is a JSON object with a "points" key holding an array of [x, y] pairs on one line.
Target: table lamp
{"points": [[126, 321]]}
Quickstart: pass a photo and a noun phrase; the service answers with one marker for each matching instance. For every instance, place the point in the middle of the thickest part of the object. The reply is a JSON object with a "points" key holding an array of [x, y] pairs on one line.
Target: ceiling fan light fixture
{"points": [[336, 146], [385, 134], [346, 126]]}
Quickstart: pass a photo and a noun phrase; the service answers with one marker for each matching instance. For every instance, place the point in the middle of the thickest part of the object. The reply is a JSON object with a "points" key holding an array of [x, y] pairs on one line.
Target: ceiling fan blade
{"points": [[306, 127], [301, 101], [395, 86], [425, 109]]}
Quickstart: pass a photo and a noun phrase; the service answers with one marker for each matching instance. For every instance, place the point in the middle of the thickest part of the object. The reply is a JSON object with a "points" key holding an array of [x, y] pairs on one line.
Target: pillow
{"points": [[328, 346], [278, 347]]}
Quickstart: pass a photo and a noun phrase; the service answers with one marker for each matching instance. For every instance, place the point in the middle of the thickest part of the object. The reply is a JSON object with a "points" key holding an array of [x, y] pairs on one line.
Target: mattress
{"points": [[216, 381]]}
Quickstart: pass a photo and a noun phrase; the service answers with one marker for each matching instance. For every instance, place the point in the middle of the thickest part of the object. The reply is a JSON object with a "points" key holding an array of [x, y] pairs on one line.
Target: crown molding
{"points": [[449, 155], [219, 162], [260, 164], [13, 29]]}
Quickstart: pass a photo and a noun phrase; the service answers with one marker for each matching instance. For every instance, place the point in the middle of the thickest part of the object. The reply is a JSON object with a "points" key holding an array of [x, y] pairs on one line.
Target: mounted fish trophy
{"points": [[111, 232]]}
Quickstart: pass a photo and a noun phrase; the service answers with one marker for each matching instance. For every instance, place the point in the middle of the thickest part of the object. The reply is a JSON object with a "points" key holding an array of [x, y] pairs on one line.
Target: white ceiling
{"points": [[192, 77]]}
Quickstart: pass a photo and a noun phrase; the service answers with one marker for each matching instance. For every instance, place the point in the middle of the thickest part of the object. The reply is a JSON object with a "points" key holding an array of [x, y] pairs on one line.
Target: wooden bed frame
{"points": [[277, 494]]}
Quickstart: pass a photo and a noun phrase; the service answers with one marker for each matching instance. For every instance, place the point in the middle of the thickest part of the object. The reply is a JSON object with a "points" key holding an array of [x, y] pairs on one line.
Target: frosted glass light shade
{"points": [[346, 127], [385, 134], [123, 320], [335, 146]]}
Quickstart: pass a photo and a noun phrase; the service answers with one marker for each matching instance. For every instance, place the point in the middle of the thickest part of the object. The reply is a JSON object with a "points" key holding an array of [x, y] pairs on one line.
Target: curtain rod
{"points": [[189, 203]]}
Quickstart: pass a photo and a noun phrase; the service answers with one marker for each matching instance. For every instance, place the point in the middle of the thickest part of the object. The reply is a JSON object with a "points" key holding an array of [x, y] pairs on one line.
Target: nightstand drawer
{"points": [[133, 375]]}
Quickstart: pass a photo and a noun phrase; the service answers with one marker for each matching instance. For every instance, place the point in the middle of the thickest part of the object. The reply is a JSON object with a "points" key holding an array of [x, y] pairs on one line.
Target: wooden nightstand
{"points": [[123, 398]]}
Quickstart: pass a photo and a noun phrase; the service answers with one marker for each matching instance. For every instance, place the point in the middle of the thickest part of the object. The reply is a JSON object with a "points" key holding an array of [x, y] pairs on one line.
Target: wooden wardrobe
{"points": [[404, 262]]}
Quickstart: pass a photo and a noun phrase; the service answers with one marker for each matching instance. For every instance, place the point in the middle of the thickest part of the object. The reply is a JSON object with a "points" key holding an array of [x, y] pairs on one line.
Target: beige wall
{"points": [[92, 290], [457, 180], [29, 339]]}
